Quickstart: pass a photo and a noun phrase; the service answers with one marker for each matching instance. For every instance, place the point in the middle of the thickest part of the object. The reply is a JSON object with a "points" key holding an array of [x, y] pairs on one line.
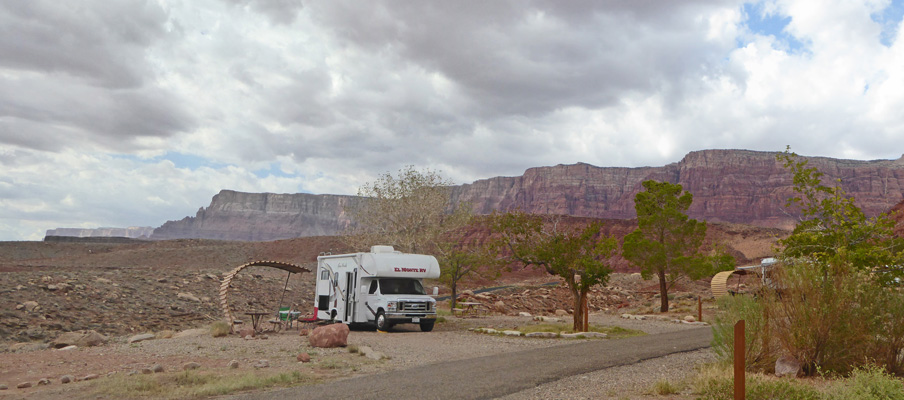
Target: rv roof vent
{"points": [[381, 249]]}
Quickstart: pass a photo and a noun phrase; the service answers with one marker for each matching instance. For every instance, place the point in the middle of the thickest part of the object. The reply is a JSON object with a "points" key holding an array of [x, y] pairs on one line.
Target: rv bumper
{"points": [[403, 318]]}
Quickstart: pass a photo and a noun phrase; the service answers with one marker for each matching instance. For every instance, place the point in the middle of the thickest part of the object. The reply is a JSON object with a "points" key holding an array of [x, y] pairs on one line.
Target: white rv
{"points": [[384, 287]]}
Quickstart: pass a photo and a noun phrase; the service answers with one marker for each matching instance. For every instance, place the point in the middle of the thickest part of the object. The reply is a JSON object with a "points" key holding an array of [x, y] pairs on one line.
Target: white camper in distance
{"points": [[384, 287]]}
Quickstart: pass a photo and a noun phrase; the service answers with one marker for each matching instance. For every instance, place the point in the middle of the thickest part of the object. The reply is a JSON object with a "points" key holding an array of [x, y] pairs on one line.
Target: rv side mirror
{"points": [[435, 291]]}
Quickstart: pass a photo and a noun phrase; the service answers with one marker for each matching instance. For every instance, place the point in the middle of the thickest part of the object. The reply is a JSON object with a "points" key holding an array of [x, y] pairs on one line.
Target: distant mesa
{"points": [[734, 186], [69, 234]]}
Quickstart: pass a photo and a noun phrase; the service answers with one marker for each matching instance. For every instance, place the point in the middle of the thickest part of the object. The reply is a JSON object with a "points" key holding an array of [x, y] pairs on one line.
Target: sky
{"points": [[117, 113]]}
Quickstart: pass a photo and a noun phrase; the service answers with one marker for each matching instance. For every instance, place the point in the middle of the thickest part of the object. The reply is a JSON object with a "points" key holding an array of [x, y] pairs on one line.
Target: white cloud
{"points": [[329, 94]]}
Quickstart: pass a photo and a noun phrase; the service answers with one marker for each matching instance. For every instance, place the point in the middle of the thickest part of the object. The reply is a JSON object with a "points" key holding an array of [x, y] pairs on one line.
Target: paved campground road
{"points": [[498, 375]]}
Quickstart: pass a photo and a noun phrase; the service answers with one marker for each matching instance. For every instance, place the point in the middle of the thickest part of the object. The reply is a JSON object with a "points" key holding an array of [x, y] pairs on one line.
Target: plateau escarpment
{"points": [[262, 217], [735, 186]]}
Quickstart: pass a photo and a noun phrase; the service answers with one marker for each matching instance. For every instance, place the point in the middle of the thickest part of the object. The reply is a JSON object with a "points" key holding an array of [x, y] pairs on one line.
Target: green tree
{"points": [[667, 242], [458, 262], [411, 212], [579, 256], [833, 233]]}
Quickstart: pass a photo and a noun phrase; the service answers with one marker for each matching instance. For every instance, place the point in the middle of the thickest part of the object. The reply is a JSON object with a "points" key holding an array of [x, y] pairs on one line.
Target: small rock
{"points": [[572, 335], [52, 288], [303, 332], [188, 297], [561, 313], [103, 280], [161, 280], [511, 333], [70, 347], [23, 385], [262, 364], [264, 337], [246, 332], [249, 337], [303, 357], [233, 364], [541, 334], [787, 366], [147, 371], [190, 365], [133, 372], [499, 306], [3, 386], [524, 314], [690, 318], [43, 382], [30, 306], [142, 337], [157, 368], [374, 355], [66, 379], [90, 377], [20, 306]]}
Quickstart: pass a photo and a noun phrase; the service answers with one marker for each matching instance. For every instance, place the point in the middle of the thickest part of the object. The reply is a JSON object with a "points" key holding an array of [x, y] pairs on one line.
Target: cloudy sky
{"points": [[131, 113]]}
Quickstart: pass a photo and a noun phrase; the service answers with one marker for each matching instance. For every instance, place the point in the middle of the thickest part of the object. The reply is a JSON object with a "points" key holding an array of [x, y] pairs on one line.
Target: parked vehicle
{"points": [[383, 287]]}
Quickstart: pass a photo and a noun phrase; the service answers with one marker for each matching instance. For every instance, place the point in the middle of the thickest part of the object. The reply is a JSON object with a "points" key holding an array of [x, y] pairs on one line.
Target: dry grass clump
{"points": [[220, 329], [193, 384]]}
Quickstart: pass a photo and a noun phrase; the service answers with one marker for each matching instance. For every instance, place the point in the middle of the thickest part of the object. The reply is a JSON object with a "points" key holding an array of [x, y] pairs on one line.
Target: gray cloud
{"points": [[278, 11]]}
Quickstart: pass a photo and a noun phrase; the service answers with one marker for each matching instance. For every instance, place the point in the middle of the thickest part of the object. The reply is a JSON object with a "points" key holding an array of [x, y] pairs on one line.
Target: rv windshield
{"points": [[401, 286]]}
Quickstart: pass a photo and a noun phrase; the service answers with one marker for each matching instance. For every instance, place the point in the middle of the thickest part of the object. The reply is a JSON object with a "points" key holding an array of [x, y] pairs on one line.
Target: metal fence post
{"points": [[739, 342]]}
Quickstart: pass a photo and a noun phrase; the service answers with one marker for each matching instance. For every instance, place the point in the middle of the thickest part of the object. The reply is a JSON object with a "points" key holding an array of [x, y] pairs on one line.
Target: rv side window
{"points": [[324, 274], [373, 287]]}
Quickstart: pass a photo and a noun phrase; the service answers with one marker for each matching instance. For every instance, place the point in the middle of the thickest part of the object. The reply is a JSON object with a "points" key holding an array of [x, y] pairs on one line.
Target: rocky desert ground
{"points": [[165, 293]]}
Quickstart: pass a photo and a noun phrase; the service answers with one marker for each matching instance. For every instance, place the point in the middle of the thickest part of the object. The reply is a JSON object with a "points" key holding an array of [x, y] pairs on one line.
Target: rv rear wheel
{"points": [[381, 322], [427, 326]]}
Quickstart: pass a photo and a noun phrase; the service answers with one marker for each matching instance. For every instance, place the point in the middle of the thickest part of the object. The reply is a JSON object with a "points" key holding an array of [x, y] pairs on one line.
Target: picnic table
{"points": [[469, 308], [256, 319]]}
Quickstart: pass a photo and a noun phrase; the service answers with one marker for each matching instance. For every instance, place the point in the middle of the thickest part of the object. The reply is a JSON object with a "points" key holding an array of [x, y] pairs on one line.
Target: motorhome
{"points": [[384, 287]]}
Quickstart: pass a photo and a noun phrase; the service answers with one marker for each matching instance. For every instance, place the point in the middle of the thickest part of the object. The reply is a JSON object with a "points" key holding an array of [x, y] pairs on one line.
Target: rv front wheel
{"points": [[381, 322]]}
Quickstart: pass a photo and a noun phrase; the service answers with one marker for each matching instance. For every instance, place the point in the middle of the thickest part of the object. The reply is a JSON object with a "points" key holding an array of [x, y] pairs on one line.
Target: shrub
{"points": [[716, 382], [868, 383], [827, 321], [220, 329], [759, 346]]}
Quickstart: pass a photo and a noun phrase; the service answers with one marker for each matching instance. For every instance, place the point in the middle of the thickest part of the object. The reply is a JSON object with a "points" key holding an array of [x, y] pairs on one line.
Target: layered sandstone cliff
{"points": [[736, 186], [235, 215]]}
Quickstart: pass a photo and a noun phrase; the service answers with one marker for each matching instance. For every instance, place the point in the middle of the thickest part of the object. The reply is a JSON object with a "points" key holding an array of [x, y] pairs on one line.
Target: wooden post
{"points": [[739, 342]]}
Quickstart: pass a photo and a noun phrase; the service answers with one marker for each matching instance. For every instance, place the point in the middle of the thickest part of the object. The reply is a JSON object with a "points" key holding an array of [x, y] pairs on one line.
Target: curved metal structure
{"points": [[227, 280], [719, 284]]}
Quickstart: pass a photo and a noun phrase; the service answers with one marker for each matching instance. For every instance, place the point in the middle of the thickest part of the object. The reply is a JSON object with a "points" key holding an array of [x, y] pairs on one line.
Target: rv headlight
{"points": [[391, 306]]}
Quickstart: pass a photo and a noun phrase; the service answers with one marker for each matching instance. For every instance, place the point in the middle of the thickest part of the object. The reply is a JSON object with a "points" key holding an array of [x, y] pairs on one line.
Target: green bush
{"points": [[868, 383], [827, 321], [760, 349], [717, 383]]}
